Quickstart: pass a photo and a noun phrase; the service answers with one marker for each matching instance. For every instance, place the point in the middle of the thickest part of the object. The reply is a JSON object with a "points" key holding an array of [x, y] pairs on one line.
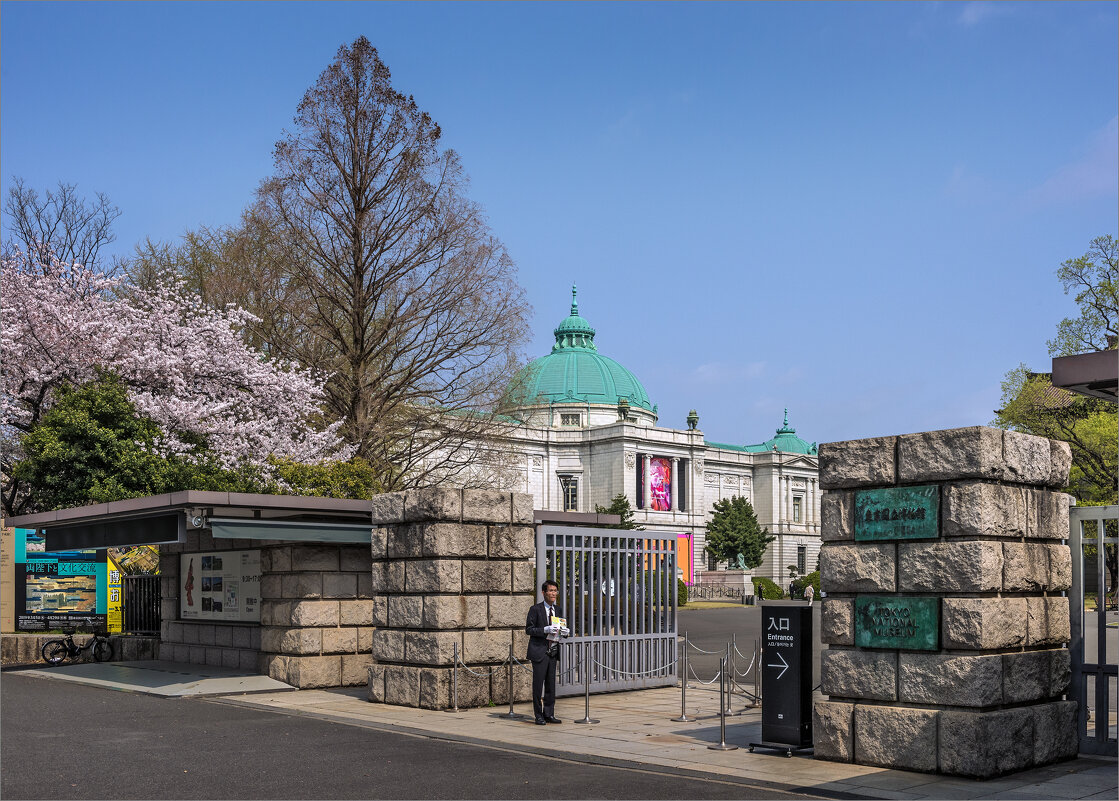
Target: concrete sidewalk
{"points": [[160, 677]]}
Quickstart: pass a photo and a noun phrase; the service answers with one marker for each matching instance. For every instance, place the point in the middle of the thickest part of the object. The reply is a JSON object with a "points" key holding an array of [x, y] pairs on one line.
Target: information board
{"points": [[220, 585], [787, 673]]}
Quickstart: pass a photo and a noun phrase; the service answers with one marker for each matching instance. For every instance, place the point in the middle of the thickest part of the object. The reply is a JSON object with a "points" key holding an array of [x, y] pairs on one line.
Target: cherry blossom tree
{"points": [[185, 364]]}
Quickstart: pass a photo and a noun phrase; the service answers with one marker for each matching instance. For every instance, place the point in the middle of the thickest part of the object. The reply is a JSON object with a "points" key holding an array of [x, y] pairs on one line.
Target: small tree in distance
{"points": [[734, 536], [619, 505]]}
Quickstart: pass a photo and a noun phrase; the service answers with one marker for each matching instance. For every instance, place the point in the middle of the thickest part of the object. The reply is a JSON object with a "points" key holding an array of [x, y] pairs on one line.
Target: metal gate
{"points": [[1095, 638], [141, 604], [618, 592]]}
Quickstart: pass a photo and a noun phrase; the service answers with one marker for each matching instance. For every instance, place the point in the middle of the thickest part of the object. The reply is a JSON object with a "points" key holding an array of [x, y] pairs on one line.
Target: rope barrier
{"points": [[748, 668], [479, 675], [627, 673], [693, 645], [740, 653], [701, 681]]}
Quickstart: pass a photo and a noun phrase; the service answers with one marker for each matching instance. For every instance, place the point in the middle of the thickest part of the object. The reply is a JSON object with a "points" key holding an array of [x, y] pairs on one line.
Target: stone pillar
{"points": [[675, 504], [450, 567], [944, 618]]}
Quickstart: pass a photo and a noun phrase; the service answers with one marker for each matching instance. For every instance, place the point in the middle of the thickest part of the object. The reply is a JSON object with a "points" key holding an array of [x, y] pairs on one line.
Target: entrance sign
{"points": [[888, 622], [897, 513], [786, 673], [220, 585]]}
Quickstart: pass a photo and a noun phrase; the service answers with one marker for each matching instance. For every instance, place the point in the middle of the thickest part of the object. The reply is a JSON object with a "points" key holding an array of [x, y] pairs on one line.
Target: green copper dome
{"points": [[786, 441], [575, 370]]}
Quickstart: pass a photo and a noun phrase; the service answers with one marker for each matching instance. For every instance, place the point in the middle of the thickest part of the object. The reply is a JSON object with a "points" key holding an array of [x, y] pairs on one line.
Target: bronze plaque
{"points": [[897, 513], [890, 622]]}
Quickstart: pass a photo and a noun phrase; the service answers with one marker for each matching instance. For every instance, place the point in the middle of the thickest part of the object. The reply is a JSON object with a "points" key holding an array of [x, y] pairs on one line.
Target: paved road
{"points": [[64, 740]]}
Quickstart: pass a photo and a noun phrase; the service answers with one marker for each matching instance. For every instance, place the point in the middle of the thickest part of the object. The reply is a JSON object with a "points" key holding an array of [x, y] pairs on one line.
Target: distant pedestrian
{"points": [[809, 592]]}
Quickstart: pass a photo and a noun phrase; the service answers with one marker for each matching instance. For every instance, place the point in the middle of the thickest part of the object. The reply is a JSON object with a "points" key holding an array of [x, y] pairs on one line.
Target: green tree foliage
{"points": [[355, 478], [801, 583], [619, 505], [733, 534], [681, 593], [1093, 278]]}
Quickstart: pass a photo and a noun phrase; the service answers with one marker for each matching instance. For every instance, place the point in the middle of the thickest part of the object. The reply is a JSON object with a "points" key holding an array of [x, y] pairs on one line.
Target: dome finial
{"points": [[574, 301], [786, 417]]}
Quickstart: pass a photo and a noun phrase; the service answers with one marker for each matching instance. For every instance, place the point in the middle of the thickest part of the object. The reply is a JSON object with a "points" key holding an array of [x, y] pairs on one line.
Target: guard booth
{"points": [[618, 592]]}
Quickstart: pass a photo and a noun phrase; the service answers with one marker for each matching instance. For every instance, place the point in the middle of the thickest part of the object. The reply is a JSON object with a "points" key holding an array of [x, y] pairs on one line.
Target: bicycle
{"points": [[55, 652]]}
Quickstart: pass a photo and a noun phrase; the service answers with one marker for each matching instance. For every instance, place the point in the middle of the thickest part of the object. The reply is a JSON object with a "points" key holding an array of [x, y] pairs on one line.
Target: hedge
{"points": [[766, 590]]}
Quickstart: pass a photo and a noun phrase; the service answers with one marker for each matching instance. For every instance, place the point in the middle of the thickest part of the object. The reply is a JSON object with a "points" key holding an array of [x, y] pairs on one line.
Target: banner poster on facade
{"points": [[65, 589], [220, 585], [684, 557], [660, 484]]}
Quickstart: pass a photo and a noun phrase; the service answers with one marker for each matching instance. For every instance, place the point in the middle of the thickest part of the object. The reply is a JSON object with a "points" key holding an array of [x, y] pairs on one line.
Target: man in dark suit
{"points": [[543, 652]]}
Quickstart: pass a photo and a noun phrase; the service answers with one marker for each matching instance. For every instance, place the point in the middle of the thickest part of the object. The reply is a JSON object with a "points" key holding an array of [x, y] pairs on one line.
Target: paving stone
{"points": [[837, 516], [857, 463], [892, 737]]}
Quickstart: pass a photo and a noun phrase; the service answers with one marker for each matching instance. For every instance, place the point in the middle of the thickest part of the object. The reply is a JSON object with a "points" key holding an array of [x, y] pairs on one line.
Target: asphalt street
{"points": [[64, 740]]}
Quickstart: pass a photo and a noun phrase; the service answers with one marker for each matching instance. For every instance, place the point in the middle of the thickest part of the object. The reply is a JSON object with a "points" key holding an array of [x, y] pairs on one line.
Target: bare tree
{"points": [[60, 223], [404, 295]]}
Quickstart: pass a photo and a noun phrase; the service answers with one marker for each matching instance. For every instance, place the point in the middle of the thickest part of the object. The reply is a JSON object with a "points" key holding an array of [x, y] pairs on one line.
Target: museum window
{"points": [[571, 419], [796, 508], [712, 562], [802, 559], [570, 487]]}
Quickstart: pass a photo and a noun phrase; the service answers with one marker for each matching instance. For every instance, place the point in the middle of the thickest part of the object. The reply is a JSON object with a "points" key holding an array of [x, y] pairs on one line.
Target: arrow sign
{"points": [[784, 665]]}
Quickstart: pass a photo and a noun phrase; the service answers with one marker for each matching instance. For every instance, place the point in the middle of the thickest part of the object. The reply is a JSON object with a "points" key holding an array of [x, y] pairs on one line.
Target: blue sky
{"points": [[851, 210]]}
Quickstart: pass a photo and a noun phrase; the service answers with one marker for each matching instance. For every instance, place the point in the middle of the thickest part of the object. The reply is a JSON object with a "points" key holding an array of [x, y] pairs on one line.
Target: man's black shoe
{"points": [[553, 720], [541, 721]]}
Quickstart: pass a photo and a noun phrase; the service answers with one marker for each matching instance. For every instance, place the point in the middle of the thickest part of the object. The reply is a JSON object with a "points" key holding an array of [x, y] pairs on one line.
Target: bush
{"points": [[681, 592], [766, 590], [812, 578]]}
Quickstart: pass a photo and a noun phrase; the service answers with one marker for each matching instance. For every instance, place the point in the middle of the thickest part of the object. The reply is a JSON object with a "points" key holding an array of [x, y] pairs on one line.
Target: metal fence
{"points": [[618, 592], [1092, 605], [141, 604]]}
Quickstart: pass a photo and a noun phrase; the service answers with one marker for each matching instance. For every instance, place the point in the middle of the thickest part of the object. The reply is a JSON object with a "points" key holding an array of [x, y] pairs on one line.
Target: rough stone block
{"points": [[376, 679], [314, 557], [452, 539], [339, 641], [275, 560], [859, 674], [1051, 521], [387, 508], [433, 504], [1028, 458], [379, 542], [300, 641], [522, 685], [365, 640], [983, 509], [833, 731], [276, 667], [1047, 621], [485, 646], [1060, 671], [512, 542], [486, 506], [387, 577], [1055, 732], [973, 452], [339, 585], [380, 611], [301, 585], [309, 672], [523, 509], [836, 516], [1026, 676], [524, 576], [950, 680], [355, 613], [387, 645], [954, 566], [312, 613], [487, 576], [406, 541], [436, 689], [837, 622], [1025, 566], [275, 613], [402, 685], [431, 647], [406, 611], [354, 559], [1060, 454], [454, 612], [1060, 568], [982, 623], [508, 610], [433, 575], [858, 568], [355, 669], [892, 737], [857, 463], [982, 745], [271, 586], [520, 642]]}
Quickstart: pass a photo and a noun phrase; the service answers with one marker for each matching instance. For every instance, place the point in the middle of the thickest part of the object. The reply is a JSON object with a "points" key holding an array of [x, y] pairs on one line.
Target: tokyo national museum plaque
{"points": [[890, 622], [897, 513]]}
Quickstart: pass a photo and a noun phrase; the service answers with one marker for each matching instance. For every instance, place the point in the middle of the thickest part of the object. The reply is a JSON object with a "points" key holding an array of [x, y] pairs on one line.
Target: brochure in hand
{"points": [[557, 621]]}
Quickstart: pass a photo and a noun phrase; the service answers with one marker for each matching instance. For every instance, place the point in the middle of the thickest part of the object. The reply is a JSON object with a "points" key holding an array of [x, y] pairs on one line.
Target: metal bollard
{"points": [[585, 666], [722, 746], [728, 661], [454, 683], [509, 686], [684, 687], [757, 670]]}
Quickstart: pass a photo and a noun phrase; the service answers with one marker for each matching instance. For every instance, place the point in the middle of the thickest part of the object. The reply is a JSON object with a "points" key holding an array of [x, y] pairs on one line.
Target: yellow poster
{"points": [[115, 606]]}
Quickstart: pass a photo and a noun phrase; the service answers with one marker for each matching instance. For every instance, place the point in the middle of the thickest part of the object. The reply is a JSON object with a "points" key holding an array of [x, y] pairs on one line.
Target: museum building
{"points": [[586, 430]]}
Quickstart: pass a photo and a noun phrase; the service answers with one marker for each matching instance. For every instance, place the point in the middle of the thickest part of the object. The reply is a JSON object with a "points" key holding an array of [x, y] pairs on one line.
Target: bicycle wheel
{"points": [[102, 650], [55, 652]]}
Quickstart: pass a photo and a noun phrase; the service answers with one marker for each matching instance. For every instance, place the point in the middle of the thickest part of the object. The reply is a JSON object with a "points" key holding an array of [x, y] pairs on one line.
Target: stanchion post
{"points": [[454, 683], [585, 665], [509, 686], [727, 664], [757, 670], [722, 746], [683, 686]]}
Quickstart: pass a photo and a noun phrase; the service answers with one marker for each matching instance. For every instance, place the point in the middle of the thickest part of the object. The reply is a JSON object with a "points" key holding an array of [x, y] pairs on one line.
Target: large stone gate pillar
{"points": [[945, 619]]}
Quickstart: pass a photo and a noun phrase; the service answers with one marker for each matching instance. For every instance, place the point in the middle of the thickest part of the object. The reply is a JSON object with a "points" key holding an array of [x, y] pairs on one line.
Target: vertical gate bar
{"points": [[1076, 624], [1103, 718]]}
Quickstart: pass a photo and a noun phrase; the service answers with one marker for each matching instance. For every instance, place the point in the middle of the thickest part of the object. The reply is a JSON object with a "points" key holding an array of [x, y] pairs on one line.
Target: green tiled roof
{"points": [[785, 441]]}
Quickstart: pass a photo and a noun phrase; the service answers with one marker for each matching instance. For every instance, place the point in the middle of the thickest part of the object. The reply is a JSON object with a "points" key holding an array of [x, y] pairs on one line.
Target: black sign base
{"points": [[788, 749]]}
